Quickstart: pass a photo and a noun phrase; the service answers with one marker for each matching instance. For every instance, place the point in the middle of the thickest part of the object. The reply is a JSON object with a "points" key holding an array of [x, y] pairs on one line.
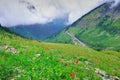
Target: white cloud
{"points": [[16, 12]]}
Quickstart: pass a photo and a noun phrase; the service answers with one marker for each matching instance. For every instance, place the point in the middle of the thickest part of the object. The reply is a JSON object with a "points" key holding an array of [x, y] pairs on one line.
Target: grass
{"points": [[55, 61], [97, 37], [61, 38]]}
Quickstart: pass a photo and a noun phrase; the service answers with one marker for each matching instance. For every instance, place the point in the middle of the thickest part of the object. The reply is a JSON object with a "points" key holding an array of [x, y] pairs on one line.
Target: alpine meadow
{"points": [[46, 40]]}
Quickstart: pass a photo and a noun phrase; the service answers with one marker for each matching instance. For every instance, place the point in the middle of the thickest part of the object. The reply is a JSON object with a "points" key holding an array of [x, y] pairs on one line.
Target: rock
{"points": [[108, 76], [104, 78], [116, 78], [10, 49], [97, 70], [13, 50], [37, 55], [102, 73], [87, 62], [6, 47]]}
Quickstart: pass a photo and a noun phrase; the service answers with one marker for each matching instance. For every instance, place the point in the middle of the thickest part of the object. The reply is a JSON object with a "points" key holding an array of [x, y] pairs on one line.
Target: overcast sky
{"points": [[17, 12]]}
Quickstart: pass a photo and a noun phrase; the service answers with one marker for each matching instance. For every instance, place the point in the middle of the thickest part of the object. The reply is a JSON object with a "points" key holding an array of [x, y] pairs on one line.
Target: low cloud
{"points": [[17, 12], [113, 2]]}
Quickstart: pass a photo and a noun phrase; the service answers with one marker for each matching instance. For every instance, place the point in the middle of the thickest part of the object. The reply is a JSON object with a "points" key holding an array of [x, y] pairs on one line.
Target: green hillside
{"points": [[23, 59], [60, 37], [99, 29]]}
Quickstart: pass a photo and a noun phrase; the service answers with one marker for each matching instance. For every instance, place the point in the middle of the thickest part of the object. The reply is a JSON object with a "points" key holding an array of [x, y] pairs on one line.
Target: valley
{"points": [[39, 31]]}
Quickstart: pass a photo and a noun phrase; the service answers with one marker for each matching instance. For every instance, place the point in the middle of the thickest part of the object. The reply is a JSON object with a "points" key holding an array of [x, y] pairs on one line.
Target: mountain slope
{"points": [[28, 59], [99, 29], [39, 31]]}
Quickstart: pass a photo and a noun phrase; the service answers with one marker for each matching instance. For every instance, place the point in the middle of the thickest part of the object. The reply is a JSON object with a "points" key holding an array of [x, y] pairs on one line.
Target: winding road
{"points": [[75, 40]]}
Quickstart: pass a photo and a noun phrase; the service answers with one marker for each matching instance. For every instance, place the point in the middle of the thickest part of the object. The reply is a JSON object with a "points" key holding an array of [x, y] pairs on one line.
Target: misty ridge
{"points": [[40, 20]]}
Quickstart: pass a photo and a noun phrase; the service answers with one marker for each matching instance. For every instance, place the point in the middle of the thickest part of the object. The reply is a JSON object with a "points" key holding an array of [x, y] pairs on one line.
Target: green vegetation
{"points": [[61, 38], [97, 38], [23, 59], [99, 29]]}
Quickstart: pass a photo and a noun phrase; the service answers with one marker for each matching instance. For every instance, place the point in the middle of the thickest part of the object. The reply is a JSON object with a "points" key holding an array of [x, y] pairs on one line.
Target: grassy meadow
{"points": [[23, 59]]}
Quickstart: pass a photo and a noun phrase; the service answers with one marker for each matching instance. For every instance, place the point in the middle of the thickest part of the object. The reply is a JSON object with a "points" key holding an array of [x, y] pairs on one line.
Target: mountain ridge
{"points": [[98, 29], [39, 31]]}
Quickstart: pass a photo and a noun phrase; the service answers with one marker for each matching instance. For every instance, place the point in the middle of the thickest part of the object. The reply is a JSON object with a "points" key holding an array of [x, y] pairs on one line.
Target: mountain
{"points": [[24, 59], [99, 29], [39, 31]]}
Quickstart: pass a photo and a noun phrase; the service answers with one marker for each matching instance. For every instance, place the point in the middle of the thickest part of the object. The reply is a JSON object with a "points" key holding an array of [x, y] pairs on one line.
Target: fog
{"points": [[25, 12]]}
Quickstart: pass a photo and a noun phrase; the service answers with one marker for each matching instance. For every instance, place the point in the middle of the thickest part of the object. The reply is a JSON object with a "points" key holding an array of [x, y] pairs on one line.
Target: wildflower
{"points": [[72, 75], [46, 49], [59, 59], [76, 61]]}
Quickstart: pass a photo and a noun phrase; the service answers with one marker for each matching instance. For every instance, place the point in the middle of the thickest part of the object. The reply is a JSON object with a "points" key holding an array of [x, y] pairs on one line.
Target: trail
{"points": [[75, 40]]}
